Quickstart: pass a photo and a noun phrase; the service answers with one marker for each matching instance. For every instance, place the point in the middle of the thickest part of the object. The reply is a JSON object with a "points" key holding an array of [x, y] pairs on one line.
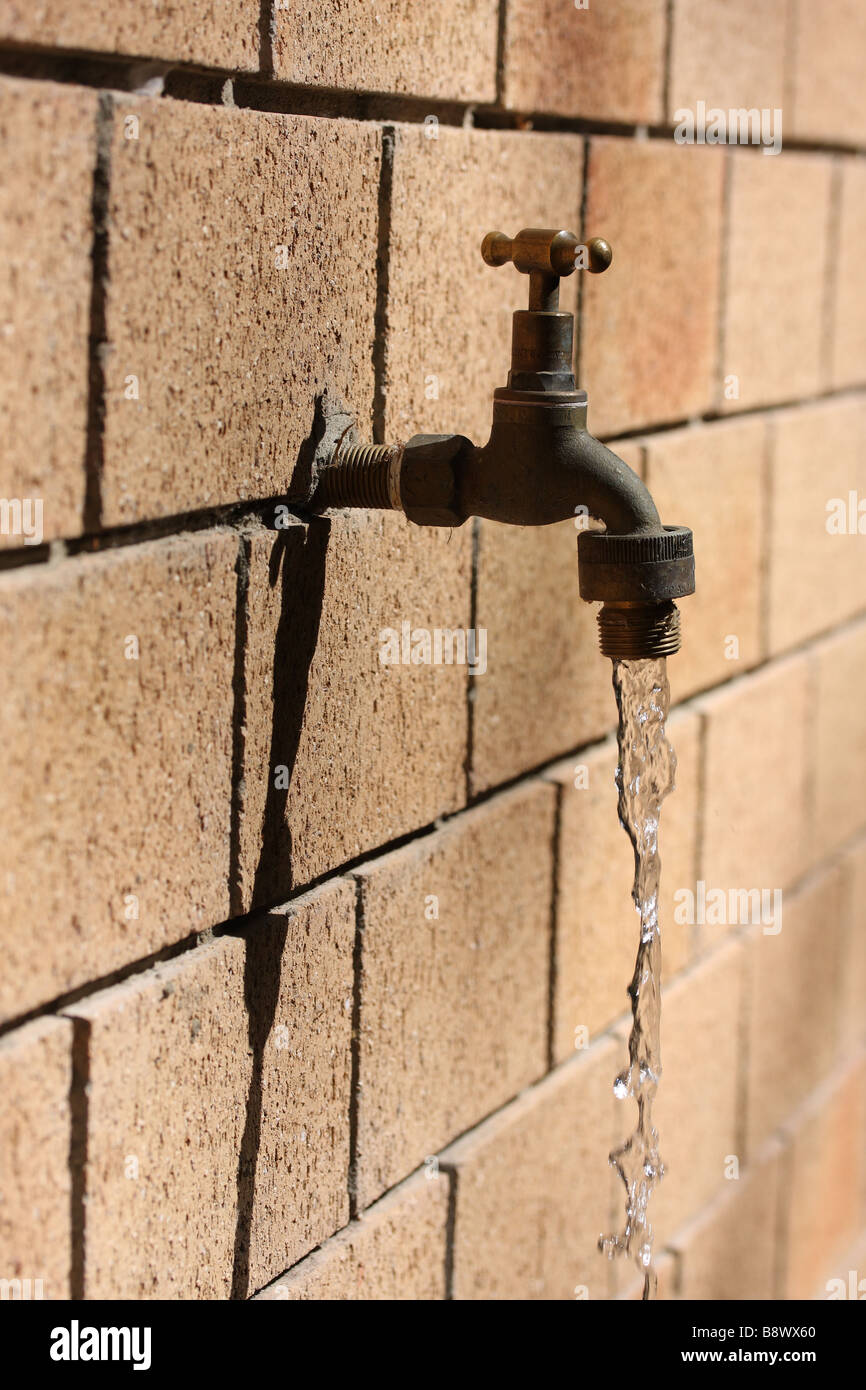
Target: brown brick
{"points": [[720, 56], [794, 1020], [372, 751], [849, 307], [816, 578], [534, 1190], [774, 278], [825, 1203], [827, 92], [840, 738], [729, 1250], [454, 1008], [48, 138], [393, 46], [561, 58], [230, 350], [396, 1251], [455, 340], [693, 475], [755, 779], [696, 1105], [546, 689], [218, 1115], [118, 770], [35, 1076], [597, 926], [853, 1012], [644, 367], [199, 31]]}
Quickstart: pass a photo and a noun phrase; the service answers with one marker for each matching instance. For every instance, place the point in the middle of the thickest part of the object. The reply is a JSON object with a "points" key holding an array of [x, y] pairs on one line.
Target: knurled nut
{"points": [[603, 547]]}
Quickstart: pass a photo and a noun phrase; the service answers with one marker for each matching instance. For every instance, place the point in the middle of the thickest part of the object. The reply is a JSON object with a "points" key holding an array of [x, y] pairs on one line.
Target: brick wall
{"points": [[297, 945]]}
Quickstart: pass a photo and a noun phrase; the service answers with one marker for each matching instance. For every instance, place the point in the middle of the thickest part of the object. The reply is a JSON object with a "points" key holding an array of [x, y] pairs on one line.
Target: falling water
{"points": [[645, 775]]}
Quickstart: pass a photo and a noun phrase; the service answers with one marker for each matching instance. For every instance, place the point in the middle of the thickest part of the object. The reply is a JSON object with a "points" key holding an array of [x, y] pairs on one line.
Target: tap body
{"points": [[540, 465]]}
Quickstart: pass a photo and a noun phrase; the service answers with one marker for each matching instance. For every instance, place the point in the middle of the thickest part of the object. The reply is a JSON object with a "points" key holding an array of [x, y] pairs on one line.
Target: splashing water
{"points": [[645, 775]]}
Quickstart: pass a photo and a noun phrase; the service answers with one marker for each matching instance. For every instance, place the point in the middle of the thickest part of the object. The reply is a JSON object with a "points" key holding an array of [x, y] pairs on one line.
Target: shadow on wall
{"points": [[297, 566]]}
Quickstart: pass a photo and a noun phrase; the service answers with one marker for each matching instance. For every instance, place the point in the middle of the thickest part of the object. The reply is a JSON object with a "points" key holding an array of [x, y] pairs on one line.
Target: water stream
{"points": [[645, 775]]}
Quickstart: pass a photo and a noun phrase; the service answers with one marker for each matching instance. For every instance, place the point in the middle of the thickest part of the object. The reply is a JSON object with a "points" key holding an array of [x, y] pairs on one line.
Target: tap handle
{"points": [[547, 251]]}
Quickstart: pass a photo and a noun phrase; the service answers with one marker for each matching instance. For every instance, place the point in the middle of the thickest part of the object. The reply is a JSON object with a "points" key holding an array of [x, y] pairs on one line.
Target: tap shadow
{"points": [[297, 566]]}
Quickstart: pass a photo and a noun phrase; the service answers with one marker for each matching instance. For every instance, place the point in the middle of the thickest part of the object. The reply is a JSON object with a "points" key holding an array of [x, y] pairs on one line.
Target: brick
{"points": [[693, 474], [840, 739], [729, 1251], [589, 44], [853, 1259], [816, 578], [853, 1010], [449, 349], [848, 366], [48, 137], [218, 1113], [200, 31], [721, 57], [118, 770], [827, 94], [825, 1202], [396, 1251], [534, 1190], [454, 1008], [658, 364], [755, 779], [774, 278], [35, 1189], [230, 349], [394, 46], [696, 1105], [795, 985], [372, 751], [597, 927], [667, 1276], [545, 689]]}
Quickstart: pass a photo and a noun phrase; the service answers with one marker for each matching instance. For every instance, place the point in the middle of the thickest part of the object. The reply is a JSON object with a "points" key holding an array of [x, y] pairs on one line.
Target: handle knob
{"points": [[547, 251]]}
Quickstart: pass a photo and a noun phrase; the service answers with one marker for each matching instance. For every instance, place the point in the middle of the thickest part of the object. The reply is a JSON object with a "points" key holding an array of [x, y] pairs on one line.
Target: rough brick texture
{"points": [[848, 362], [827, 92], [218, 1111], [396, 1251], [773, 345], [454, 1006], [214, 32], [590, 44], [117, 707], [48, 139], [657, 364], [35, 1135], [728, 1252], [393, 46], [534, 1190], [243, 220], [370, 751], [840, 743], [720, 56]]}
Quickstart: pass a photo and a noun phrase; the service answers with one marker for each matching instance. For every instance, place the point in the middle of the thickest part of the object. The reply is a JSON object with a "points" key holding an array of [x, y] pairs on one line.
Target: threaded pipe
{"points": [[359, 475], [634, 631]]}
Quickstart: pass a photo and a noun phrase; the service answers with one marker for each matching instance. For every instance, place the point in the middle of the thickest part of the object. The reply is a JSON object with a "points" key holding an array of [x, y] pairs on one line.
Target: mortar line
{"points": [[471, 687], [383, 286], [581, 231], [260, 92], [501, 36], [765, 570], [78, 1140], [267, 36], [239, 720], [667, 75], [355, 1051], [722, 278], [830, 272], [536, 775], [553, 954], [451, 1231], [94, 447], [236, 514]]}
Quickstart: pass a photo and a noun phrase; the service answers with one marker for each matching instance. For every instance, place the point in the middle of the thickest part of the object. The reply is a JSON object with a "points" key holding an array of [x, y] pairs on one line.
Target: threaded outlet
{"points": [[358, 476], [632, 632]]}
